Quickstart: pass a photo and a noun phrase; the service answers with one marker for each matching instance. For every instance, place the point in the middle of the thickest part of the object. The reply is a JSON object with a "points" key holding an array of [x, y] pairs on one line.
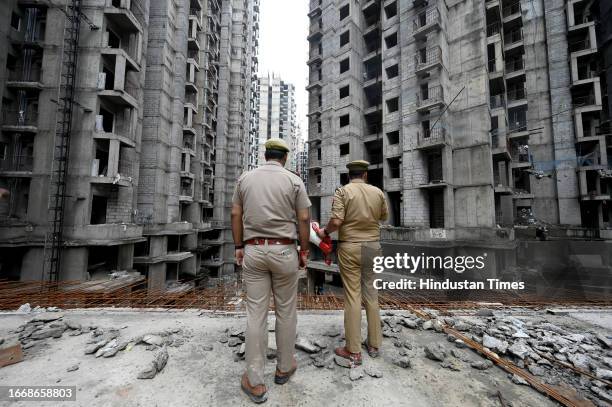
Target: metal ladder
{"points": [[61, 150]]}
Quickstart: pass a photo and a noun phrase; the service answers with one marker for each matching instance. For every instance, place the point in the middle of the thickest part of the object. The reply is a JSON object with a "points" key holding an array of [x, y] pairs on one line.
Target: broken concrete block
{"points": [[373, 371], [482, 364], [342, 362], [460, 355], [603, 374], [153, 340], [27, 345], [161, 358], [461, 326], [10, 353], [75, 333], [409, 323], [47, 333], [602, 394], [149, 372], [452, 365], [233, 342], [520, 335], [427, 325], [94, 347], [519, 380], [47, 317], [519, 349], [271, 354], [484, 312], [24, 308], [435, 352], [242, 350], [580, 361], [73, 368], [494, 344], [604, 340], [402, 362], [321, 361], [305, 345], [332, 333], [207, 348], [536, 370], [356, 374], [73, 325], [223, 339], [438, 326], [320, 343]]}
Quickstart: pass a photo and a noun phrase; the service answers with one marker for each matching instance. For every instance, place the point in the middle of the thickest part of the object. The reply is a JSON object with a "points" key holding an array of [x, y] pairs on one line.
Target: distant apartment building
{"points": [[485, 115], [277, 115], [148, 128]]}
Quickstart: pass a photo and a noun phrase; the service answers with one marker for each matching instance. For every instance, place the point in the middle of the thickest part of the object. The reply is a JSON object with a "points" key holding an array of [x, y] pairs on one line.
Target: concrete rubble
{"points": [[532, 343]]}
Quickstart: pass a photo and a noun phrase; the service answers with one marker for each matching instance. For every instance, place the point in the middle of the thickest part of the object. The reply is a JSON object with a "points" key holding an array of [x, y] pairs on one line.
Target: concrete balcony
{"points": [[432, 138], [515, 68], [315, 8], [30, 40], [511, 12], [428, 60], [102, 235], [516, 97], [513, 39], [26, 79], [497, 102], [124, 53], [588, 103], [14, 121], [195, 16], [426, 22], [118, 12], [315, 31], [500, 146], [17, 166], [121, 97], [434, 98]]}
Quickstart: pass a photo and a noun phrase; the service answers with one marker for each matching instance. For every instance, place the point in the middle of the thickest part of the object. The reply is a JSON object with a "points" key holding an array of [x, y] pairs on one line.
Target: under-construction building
{"points": [[475, 116], [112, 128], [277, 116]]}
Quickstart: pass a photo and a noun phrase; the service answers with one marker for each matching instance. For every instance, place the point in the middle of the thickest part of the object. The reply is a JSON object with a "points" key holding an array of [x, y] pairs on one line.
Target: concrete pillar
{"points": [[74, 264], [32, 265], [119, 72], [125, 257], [113, 158], [157, 277]]}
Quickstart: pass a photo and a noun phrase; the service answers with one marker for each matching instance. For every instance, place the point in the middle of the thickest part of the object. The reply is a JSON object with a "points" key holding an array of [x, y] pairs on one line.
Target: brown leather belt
{"points": [[262, 241]]}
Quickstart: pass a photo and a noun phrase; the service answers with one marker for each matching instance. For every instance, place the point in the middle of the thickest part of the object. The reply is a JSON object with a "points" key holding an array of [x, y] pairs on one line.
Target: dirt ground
{"points": [[195, 376]]}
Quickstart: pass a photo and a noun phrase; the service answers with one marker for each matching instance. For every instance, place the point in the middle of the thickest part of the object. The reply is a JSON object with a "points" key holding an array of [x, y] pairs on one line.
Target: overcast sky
{"points": [[283, 49]]}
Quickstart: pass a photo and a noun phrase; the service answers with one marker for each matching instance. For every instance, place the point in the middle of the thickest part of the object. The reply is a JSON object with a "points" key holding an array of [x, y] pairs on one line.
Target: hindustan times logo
{"points": [[412, 264]]}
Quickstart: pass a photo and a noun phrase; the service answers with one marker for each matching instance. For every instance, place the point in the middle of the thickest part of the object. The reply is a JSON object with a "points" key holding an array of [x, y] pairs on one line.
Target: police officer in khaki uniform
{"points": [[270, 211], [357, 210]]}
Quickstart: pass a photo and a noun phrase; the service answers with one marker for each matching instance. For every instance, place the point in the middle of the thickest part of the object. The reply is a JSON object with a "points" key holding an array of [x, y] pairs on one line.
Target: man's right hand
{"points": [[303, 258], [239, 254]]}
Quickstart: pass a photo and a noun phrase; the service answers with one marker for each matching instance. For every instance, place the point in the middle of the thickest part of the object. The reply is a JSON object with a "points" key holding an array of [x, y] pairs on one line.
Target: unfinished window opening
{"points": [[395, 207], [141, 249], [393, 137], [436, 209], [393, 105], [319, 153], [345, 65], [344, 149], [101, 260], [172, 271], [395, 164], [109, 79], [375, 177], [15, 21], [317, 174], [373, 150], [391, 40], [98, 210], [319, 127], [320, 100], [11, 62], [116, 3], [344, 12], [174, 244], [391, 10], [521, 181], [344, 92], [114, 41], [434, 167], [100, 162], [107, 120], [344, 178], [345, 38], [344, 120], [392, 71]]}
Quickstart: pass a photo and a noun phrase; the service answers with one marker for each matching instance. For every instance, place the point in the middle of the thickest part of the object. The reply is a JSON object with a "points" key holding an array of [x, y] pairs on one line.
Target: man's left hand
{"points": [[321, 234]]}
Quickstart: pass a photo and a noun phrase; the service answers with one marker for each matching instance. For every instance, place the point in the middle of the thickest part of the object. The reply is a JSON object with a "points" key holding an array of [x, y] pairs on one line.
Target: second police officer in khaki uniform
{"points": [[357, 210], [270, 211]]}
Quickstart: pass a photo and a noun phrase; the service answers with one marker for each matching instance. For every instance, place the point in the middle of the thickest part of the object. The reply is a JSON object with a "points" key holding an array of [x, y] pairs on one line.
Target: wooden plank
{"points": [[10, 354]]}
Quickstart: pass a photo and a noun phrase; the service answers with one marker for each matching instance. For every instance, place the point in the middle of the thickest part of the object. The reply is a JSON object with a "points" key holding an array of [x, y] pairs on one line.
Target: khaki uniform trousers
{"points": [[358, 287], [270, 268]]}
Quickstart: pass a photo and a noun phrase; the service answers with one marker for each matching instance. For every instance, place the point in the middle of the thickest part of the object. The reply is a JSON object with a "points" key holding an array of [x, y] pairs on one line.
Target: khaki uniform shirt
{"points": [[270, 195], [361, 207]]}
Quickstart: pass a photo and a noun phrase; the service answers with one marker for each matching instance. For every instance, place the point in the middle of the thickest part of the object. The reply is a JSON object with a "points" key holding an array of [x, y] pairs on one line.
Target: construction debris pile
{"points": [[102, 342]]}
